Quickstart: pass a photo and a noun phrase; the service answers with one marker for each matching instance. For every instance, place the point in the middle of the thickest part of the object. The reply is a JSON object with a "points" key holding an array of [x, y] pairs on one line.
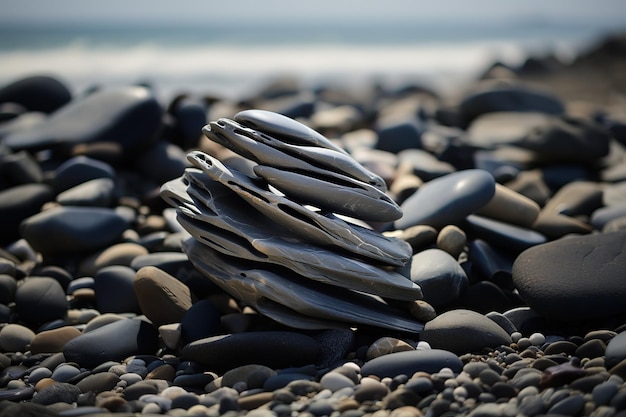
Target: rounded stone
{"points": [[37, 93], [438, 274], [385, 346], [510, 207], [463, 331], [162, 298], [18, 203], [15, 338], [586, 277], [53, 341], [448, 199], [99, 192], [112, 342], [72, 230], [410, 362], [452, 239], [60, 392], [40, 300], [114, 290], [118, 254]]}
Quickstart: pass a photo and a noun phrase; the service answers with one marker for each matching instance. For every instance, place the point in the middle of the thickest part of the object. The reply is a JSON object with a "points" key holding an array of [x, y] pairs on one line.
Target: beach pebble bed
{"points": [[506, 203]]}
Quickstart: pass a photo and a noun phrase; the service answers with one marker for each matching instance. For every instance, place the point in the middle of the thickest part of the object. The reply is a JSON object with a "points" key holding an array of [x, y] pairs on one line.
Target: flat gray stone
{"points": [[448, 199], [283, 127], [265, 150], [325, 230], [292, 300], [214, 215], [343, 196]]}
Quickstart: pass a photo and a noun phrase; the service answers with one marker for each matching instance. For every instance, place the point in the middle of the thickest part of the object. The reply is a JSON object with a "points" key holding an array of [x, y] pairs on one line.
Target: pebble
{"points": [[438, 274], [464, 331]]}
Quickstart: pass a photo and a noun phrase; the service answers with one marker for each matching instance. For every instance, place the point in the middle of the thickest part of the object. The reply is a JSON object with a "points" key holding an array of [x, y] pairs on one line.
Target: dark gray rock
{"points": [[276, 349], [112, 342], [71, 230], [463, 331], [514, 239], [491, 97], [78, 170], [409, 362], [400, 136], [567, 140], [39, 300], [18, 203], [438, 274], [129, 116], [99, 192], [200, 321], [98, 382], [20, 168], [115, 292], [615, 350], [448, 199], [36, 93], [161, 162], [586, 275]]}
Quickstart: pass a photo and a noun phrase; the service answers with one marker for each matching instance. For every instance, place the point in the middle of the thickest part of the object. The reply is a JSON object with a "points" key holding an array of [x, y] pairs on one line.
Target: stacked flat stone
{"points": [[289, 239]]}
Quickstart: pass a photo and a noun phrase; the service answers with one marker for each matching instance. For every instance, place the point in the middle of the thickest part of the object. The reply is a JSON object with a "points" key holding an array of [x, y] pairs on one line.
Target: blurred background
{"points": [[229, 47]]}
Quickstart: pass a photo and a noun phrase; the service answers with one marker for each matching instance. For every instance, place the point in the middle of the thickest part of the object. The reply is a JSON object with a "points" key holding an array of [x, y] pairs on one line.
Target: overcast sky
{"points": [[195, 11]]}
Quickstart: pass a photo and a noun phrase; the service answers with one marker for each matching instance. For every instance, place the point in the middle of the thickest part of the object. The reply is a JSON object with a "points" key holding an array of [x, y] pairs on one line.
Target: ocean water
{"points": [[231, 58]]}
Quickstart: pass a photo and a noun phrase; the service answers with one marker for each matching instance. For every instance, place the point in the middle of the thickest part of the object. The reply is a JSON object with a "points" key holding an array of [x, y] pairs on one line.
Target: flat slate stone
{"points": [[275, 349], [463, 331], [352, 198], [215, 216], [283, 127], [325, 230], [70, 230], [448, 199], [585, 277], [130, 116], [293, 301], [410, 362], [266, 150]]}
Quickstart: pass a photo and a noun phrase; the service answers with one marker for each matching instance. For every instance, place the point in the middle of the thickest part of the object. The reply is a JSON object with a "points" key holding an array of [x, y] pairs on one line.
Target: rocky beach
{"points": [[329, 251]]}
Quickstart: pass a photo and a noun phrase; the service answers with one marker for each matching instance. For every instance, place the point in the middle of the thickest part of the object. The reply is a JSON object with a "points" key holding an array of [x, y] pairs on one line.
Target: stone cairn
{"points": [[288, 237]]}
